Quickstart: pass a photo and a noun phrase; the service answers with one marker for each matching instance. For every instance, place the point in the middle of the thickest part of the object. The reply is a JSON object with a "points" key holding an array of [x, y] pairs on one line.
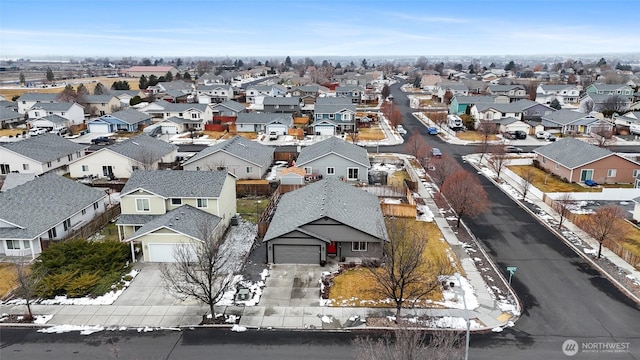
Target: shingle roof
{"points": [[185, 219], [503, 88], [143, 148], [42, 203], [54, 118], [549, 87], [44, 148], [151, 68], [333, 145], [57, 106], [182, 184], [330, 198], [129, 116], [134, 219], [242, 148], [610, 87], [175, 107], [230, 104], [38, 97], [463, 99], [264, 118], [564, 116], [7, 113], [94, 99], [177, 120], [506, 121], [270, 100], [12, 180], [453, 86], [572, 153], [334, 100]]}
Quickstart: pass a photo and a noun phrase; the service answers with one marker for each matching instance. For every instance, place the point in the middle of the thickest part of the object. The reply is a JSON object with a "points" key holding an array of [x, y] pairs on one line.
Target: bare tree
{"points": [[411, 344], [587, 106], [401, 276], [603, 224], [27, 282], [439, 118], [385, 92], [526, 181], [486, 129], [443, 168], [563, 206], [353, 135], [417, 146], [614, 104], [465, 194], [497, 159], [396, 116], [603, 136], [200, 271], [145, 160]]}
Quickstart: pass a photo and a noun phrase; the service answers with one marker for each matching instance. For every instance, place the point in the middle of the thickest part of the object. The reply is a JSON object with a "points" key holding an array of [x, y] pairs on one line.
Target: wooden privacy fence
{"points": [[399, 210], [89, 228]]}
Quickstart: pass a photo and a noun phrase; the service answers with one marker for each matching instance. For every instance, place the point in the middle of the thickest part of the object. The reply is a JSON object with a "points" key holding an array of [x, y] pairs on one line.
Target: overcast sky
{"points": [[181, 28]]}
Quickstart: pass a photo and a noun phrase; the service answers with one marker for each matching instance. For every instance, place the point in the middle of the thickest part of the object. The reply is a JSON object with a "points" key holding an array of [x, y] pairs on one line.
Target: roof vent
{"points": [[135, 143]]}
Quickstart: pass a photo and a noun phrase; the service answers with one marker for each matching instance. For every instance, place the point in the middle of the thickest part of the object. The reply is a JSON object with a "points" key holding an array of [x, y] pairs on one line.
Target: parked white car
{"points": [[37, 131], [401, 130]]}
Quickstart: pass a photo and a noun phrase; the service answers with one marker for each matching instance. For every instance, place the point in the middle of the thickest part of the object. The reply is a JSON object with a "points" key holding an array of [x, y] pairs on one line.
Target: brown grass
{"points": [[89, 83], [398, 177], [215, 134], [11, 132], [474, 136], [7, 279], [372, 133], [354, 287], [550, 183]]}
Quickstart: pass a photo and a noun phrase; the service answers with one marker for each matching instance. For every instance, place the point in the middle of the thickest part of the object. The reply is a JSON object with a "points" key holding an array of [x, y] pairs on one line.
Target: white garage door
{"points": [[164, 252], [296, 254], [324, 130], [279, 129], [99, 128], [169, 129]]}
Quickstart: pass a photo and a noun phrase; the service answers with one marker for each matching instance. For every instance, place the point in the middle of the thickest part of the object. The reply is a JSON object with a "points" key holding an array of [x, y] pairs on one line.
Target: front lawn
{"points": [[474, 136], [354, 287], [7, 279], [11, 132], [370, 134], [549, 183]]}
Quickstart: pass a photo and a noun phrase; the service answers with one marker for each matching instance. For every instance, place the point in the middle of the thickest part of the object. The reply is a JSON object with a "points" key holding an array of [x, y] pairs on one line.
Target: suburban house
{"points": [[154, 109], [625, 121], [337, 158], [599, 102], [428, 82], [52, 122], [577, 161], [128, 120], [9, 115], [175, 125], [39, 155], [49, 207], [194, 115], [461, 104], [125, 96], [68, 110], [333, 115], [610, 89], [228, 108], [149, 196], [264, 122], [532, 110], [565, 94], [98, 105], [513, 92], [27, 100], [119, 160], [254, 92], [243, 158], [455, 88], [510, 124], [289, 105], [574, 122], [353, 93], [157, 71], [214, 93], [328, 218], [487, 111], [306, 93]]}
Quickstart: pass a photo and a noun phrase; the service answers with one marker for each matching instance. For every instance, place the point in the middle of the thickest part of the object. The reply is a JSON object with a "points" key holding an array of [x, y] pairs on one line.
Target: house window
{"points": [[611, 173], [52, 233], [331, 171], [359, 246], [36, 114], [249, 169], [102, 113], [352, 173], [176, 201], [636, 172], [544, 160], [179, 114], [66, 224], [85, 168], [25, 166], [194, 115], [308, 170], [84, 211], [13, 244], [95, 206], [142, 205], [70, 157], [26, 244], [331, 116], [202, 203], [48, 163]]}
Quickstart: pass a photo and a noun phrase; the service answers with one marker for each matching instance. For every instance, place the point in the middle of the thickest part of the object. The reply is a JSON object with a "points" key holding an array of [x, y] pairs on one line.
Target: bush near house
{"points": [[79, 268]]}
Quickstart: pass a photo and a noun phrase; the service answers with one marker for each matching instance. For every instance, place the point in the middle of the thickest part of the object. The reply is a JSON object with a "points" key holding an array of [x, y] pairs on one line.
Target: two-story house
{"points": [[39, 155], [513, 92], [162, 210], [565, 94], [193, 116], [27, 100], [128, 120], [455, 88], [353, 93], [68, 110], [572, 122], [264, 122], [333, 115], [229, 108], [255, 92], [214, 93], [610, 89], [98, 105], [289, 105]]}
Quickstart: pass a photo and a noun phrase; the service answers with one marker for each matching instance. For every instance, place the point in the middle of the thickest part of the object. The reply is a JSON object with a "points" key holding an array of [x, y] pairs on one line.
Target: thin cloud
{"points": [[430, 19]]}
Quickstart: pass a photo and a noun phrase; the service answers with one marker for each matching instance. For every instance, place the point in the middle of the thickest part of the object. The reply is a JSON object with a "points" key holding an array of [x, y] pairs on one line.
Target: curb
{"points": [[564, 240]]}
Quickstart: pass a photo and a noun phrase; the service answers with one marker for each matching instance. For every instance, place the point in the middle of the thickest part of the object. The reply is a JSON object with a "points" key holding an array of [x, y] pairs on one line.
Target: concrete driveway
{"points": [[293, 285]]}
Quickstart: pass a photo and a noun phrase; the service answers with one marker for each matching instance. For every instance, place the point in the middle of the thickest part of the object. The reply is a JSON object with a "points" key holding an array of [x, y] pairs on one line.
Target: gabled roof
{"points": [[550, 87], [239, 147], [348, 88], [505, 121], [178, 107], [94, 99], [185, 219], [40, 204], [129, 116], [177, 183], [44, 148], [453, 86], [333, 109], [54, 118], [285, 101], [264, 118], [610, 87], [177, 120], [142, 148], [38, 97], [336, 146], [213, 87], [602, 98], [12, 180], [230, 104], [57, 106], [565, 116], [330, 198], [464, 99], [573, 153], [505, 88], [334, 100], [7, 113], [307, 88], [509, 107]]}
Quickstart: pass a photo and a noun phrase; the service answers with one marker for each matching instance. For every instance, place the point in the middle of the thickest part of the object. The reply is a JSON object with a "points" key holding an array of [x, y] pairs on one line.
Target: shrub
{"points": [[81, 285], [54, 284], [127, 278], [108, 282]]}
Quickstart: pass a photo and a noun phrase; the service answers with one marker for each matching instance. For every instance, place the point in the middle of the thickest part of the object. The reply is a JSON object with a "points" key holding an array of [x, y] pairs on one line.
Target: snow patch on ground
{"points": [[237, 245], [453, 299], [327, 320], [42, 319], [426, 214], [83, 329], [238, 328]]}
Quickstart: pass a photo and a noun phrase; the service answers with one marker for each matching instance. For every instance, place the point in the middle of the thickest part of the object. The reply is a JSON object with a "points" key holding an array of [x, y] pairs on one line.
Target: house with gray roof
{"points": [[49, 207], [243, 158], [610, 89], [39, 155], [289, 105], [121, 159], [353, 93], [565, 94], [328, 218], [149, 195], [460, 103], [264, 122], [335, 158], [572, 122], [27, 100], [455, 88], [52, 122], [515, 92], [255, 93], [333, 115], [9, 115], [577, 161], [214, 93], [68, 110], [128, 120], [605, 102], [194, 112], [228, 108]]}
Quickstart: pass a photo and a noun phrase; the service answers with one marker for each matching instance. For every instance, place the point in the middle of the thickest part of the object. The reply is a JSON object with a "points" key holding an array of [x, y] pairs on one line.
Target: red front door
{"points": [[331, 248]]}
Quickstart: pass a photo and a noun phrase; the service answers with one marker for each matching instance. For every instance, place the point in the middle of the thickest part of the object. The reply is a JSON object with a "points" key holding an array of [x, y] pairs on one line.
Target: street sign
{"points": [[511, 269]]}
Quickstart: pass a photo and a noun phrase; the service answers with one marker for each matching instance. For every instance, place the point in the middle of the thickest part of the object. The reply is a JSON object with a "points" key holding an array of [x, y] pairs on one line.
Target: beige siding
{"points": [[161, 238], [121, 165], [156, 204]]}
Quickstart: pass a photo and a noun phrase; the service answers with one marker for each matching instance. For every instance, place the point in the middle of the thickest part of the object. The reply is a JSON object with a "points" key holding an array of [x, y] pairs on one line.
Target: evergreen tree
{"points": [[22, 79], [144, 83], [287, 62], [50, 76], [99, 89], [186, 76], [168, 77], [82, 90], [555, 104]]}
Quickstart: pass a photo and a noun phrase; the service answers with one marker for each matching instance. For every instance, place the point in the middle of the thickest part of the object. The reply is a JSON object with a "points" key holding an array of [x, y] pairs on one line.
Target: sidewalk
{"points": [[583, 236]]}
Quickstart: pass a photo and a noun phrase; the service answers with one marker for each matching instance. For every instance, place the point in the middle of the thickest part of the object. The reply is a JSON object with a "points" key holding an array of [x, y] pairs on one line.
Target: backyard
{"points": [[548, 183], [249, 208]]}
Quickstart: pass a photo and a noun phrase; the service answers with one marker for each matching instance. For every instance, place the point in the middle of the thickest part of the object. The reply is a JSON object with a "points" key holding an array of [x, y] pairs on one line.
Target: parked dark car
{"points": [[518, 134], [102, 140]]}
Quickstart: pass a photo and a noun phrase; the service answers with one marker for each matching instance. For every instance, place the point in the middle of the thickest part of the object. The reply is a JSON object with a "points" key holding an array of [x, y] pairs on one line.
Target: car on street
{"points": [[435, 152], [401, 130], [550, 137], [432, 130], [513, 149]]}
